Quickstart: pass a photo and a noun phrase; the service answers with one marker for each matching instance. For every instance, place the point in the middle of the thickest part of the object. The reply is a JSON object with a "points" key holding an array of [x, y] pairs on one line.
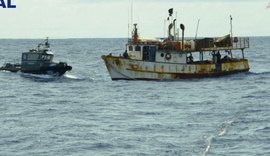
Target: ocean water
{"points": [[85, 113]]}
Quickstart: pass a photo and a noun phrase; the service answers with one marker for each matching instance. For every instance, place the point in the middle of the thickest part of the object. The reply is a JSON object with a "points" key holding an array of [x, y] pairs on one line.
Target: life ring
{"points": [[168, 56]]}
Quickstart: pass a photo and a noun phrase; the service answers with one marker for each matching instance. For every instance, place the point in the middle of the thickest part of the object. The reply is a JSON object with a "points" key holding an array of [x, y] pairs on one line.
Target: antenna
{"points": [[164, 31], [231, 31], [130, 18], [175, 33], [128, 24], [197, 29], [131, 12]]}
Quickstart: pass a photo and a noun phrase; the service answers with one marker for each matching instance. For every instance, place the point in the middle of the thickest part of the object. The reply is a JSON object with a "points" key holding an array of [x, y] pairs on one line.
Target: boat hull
{"points": [[47, 71], [11, 67], [126, 69], [50, 69]]}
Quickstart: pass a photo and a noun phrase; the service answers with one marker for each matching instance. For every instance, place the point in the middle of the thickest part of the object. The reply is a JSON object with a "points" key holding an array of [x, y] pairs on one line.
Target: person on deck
{"points": [[125, 54], [190, 58], [218, 57]]}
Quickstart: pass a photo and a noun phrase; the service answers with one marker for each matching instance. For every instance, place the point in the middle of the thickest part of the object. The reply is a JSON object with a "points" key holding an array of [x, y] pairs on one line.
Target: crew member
{"points": [[125, 54], [190, 58]]}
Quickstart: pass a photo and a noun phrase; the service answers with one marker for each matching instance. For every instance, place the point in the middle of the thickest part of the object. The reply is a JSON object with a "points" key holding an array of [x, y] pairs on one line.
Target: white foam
{"points": [[208, 144], [69, 76], [221, 132]]}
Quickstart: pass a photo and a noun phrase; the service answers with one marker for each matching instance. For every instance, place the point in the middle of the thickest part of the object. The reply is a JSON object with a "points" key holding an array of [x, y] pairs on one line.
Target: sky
{"points": [[112, 18]]}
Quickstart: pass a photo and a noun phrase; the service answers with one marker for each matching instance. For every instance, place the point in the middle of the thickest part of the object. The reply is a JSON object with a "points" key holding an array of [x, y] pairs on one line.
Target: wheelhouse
{"points": [[37, 56]]}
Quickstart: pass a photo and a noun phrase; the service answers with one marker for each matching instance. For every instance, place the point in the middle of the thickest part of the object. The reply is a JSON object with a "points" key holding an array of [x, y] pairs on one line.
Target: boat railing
{"points": [[212, 44], [240, 43], [200, 45], [144, 42]]}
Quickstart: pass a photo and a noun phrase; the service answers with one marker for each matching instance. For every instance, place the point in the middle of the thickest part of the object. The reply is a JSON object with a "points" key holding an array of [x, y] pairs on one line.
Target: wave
{"points": [[39, 77], [50, 78], [221, 132], [263, 129], [69, 76], [259, 73], [4, 71]]}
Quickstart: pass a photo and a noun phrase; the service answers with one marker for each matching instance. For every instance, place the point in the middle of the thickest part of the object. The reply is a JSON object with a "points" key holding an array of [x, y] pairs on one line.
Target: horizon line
{"points": [[55, 38]]}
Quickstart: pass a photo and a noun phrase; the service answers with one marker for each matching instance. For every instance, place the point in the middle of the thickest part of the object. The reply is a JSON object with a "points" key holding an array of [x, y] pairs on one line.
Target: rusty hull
{"points": [[127, 69]]}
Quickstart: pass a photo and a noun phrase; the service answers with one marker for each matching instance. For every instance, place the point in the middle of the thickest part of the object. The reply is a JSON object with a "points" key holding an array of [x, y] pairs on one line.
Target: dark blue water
{"points": [[85, 113]]}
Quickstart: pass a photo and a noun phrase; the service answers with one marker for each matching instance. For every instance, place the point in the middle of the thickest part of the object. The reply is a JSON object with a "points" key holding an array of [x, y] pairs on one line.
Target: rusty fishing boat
{"points": [[173, 58]]}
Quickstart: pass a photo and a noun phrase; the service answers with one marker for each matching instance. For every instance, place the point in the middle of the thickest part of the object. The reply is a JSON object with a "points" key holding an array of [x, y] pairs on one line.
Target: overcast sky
{"points": [[109, 18]]}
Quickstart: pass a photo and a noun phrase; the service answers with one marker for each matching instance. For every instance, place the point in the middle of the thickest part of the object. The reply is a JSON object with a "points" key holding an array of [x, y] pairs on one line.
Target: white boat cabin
{"points": [[152, 53]]}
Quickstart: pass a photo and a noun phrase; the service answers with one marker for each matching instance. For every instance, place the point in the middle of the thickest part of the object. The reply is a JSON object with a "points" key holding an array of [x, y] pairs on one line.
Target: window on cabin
{"points": [[42, 57], [48, 57], [130, 48], [149, 53], [24, 57], [138, 48], [33, 57], [145, 53], [152, 56]]}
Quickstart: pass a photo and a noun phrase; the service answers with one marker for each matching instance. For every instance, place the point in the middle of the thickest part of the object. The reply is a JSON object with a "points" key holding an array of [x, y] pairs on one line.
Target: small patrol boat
{"points": [[174, 58], [38, 61]]}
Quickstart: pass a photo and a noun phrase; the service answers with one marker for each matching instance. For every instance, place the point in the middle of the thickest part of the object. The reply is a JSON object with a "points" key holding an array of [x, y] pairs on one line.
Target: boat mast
{"points": [[174, 30], [130, 18], [197, 29], [174, 27], [231, 32], [164, 31], [135, 35], [131, 12], [182, 26], [171, 25], [128, 25]]}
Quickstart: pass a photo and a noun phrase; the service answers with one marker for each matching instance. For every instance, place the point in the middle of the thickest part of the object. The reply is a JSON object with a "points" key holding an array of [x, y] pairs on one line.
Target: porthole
{"points": [[162, 54]]}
